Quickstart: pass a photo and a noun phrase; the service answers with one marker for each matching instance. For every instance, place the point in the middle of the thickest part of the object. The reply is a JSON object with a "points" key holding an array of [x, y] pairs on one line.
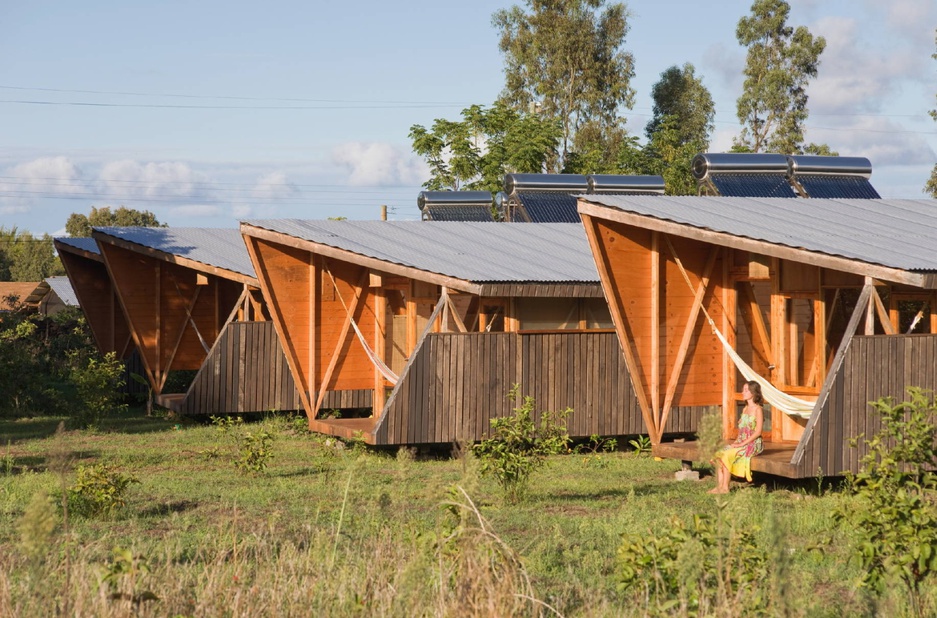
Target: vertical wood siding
{"points": [[874, 366], [246, 371], [458, 382]]}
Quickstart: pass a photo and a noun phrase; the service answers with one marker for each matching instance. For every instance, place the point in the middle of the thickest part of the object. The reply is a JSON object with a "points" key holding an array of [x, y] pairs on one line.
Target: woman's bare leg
{"points": [[722, 479]]}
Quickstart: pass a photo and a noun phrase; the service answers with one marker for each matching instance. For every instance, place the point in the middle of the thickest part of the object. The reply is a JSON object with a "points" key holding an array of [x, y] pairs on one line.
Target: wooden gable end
{"points": [[98, 301], [175, 313]]}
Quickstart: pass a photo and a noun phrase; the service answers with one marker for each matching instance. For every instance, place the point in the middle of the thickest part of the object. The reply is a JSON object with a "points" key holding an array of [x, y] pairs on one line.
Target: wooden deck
{"points": [[346, 428], [776, 458]]}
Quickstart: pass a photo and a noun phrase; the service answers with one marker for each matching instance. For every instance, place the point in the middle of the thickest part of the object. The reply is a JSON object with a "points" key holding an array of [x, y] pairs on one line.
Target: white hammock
{"points": [[788, 404]]}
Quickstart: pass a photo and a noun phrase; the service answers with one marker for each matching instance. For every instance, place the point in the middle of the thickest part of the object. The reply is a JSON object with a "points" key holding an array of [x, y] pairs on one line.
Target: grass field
{"points": [[342, 530]]}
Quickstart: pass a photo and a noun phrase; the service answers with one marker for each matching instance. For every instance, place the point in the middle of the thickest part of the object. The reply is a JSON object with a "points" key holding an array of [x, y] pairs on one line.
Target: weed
{"points": [[121, 574], [36, 526], [97, 382], [641, 445]]}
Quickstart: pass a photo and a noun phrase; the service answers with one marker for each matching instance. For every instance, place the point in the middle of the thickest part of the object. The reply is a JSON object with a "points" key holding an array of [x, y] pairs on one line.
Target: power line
{"points": [[225, 107]]}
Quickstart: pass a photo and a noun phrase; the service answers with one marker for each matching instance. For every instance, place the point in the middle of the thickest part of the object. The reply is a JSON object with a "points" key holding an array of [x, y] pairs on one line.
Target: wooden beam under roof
{"points": [[803, 256]]}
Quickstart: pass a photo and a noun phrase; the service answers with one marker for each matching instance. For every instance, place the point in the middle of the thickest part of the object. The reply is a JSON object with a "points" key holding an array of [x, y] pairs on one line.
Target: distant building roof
{"points": [[470, 251], [21, 289], [216, 247], [63, 289], [895, 233]]}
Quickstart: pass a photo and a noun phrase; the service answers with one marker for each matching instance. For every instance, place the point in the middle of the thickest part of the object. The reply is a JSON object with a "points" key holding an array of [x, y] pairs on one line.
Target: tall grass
{"points": [[351, 532]]}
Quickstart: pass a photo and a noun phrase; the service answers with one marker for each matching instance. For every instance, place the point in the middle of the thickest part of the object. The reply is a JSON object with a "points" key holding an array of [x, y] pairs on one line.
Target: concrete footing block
{"points": [[687, 475]]}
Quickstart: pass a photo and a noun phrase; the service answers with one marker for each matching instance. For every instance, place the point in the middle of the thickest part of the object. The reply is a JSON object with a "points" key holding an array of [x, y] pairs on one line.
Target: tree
{"points": [[682, 96], [79, 226], [564, 59], [23, 257], [931, 186], [476, 152], [779, 65]]}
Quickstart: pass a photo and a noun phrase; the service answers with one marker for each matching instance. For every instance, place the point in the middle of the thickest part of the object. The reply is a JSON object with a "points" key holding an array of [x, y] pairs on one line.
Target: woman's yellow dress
{"points": [[738, 459]]}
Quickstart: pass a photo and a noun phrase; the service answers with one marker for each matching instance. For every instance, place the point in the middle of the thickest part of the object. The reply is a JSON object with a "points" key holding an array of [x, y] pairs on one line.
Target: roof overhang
{"points": [[67, 248], [795, 254], [156, 254]]}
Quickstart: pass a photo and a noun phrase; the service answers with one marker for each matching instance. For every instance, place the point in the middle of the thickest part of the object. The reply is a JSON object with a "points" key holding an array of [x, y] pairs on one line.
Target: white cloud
{"points": [[727, 64], [379, 164], [129, 179], [911, 20], [50, 176], [274, 186]]}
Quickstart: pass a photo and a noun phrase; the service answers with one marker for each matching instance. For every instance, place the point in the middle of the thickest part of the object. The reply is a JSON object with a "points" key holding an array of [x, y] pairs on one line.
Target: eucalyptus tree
{"points": [[565, 59], [680, 94], [79, 225], [476, 152], [780, 62], [931, 186]]}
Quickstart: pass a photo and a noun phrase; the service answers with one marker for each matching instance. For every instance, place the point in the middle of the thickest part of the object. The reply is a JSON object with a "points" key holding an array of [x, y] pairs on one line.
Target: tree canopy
{"points": [[565, 60], [780, 62], [79, 225], [24, 257], [476, 152], [682, 95]]}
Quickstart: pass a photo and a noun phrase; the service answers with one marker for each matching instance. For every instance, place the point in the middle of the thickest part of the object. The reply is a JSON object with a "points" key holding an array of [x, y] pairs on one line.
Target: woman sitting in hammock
{"points": [[736, 458]]}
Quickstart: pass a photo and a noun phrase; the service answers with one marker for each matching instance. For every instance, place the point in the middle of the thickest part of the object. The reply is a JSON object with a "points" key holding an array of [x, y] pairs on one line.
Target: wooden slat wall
{"points": [[247, 372], [874, 367], [458, 382]]}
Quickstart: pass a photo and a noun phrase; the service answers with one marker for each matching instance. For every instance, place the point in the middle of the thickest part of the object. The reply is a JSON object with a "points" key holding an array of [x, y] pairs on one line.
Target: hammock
{"points": [[381, 366], [788, 404]]}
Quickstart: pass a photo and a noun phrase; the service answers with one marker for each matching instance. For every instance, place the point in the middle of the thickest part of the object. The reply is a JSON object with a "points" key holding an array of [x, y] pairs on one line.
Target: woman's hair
{"points": [[755, 389]]}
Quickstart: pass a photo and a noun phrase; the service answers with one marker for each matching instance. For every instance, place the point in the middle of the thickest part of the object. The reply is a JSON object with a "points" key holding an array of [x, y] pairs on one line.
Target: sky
{"points": [[207, 113]]}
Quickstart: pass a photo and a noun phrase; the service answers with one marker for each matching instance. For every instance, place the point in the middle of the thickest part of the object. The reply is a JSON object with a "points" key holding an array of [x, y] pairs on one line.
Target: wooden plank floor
{"points": [[775, 459], [346, 427]]}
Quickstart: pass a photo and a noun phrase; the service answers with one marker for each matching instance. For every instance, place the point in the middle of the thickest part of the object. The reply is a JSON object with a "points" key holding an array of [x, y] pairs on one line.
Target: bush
{"points": [[97, 383], [519, 446], [896, 516], [98, 490], [697, 569]]}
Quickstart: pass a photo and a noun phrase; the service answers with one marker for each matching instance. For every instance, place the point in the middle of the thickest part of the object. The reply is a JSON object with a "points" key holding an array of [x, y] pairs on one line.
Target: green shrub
{"points": [[98, 490], [519, 446], [641, 445], [696, 569], [97, 382], [896, 488], [254, 450]]}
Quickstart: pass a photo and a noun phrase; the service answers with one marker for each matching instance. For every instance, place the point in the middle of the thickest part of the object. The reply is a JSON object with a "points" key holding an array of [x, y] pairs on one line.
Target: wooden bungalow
{"points": [[190, 302], [438, 320], [831, 302]]}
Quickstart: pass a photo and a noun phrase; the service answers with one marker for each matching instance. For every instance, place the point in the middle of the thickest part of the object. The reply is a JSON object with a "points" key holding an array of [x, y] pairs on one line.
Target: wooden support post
{"points": [[655, 330], [778, 326], [729, 326], [175, 347], [346, 326], [688, 330], [380, 334], [411, 319], [870, 310], [313, 298], [883, 316], [760, 335], [865, 298], [160, 369]]}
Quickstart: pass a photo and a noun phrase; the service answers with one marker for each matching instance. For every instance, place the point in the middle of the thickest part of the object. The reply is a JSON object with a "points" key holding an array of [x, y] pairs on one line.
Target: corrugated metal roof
{"points": [[471, 251], [895, 233], [85, 244], [218, 247], [63, 288]]}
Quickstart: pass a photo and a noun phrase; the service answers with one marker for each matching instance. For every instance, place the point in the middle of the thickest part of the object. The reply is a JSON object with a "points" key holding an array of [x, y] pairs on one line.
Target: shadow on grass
{"points": [[168, 508], [134, 421]]}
